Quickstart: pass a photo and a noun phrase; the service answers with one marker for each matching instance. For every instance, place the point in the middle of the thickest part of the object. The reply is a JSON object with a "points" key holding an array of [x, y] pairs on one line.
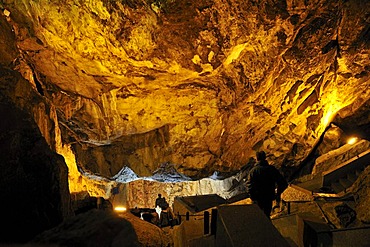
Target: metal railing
{"points": [[209, 220]]}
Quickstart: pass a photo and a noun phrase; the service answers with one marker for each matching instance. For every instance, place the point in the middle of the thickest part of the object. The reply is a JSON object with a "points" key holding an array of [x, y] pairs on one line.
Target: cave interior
{"points": [[105, 104]]}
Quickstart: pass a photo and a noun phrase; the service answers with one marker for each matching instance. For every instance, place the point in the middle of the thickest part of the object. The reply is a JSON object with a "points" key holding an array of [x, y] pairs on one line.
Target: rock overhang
{"points": [[202, 85]]}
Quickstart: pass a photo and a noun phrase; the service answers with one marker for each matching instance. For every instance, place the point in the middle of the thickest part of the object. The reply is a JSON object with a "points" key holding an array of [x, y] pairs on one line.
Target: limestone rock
{"points": [[103, 228], [361, 189], [8, 49], [198, 84], [292, 194], [345, 214], [34, 179]]}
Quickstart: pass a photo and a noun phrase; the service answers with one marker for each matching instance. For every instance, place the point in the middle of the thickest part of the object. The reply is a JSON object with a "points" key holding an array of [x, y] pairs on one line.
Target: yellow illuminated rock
{"points": [[201, 84]]}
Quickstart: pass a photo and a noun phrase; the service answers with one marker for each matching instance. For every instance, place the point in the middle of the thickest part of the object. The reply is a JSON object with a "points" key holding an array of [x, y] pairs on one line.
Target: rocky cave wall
{"points": [[34, 178], [200, 84]]}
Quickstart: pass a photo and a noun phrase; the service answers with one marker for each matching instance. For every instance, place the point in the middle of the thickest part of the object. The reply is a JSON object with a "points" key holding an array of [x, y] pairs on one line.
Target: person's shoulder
{"points": [[274, 171], [273, 168], [254, 168]]}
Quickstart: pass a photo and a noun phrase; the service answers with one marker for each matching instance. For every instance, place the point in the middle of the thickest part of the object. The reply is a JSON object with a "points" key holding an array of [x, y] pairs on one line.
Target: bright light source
{"points": [[6, 12], [352, 140], [120, 209], [328, 117]]}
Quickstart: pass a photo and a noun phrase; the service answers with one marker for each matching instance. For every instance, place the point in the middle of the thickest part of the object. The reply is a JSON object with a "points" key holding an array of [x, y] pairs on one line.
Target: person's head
{"points": [[261, 155], [159, 195]]}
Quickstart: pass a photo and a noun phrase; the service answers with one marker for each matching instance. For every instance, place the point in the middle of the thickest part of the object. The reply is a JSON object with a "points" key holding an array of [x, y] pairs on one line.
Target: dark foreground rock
{"points": [[103, 228]]}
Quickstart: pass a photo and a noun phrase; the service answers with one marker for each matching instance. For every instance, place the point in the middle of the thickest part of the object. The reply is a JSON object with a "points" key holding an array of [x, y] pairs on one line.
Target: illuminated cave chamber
{"points": [[132, 95]]}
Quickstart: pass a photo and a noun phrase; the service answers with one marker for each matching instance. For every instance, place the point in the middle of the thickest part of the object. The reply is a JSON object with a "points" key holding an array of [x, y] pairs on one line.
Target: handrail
{"points": [[345, 229], [347, 162]]}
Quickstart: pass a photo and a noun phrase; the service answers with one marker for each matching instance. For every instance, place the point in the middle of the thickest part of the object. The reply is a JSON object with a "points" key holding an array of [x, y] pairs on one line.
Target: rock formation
{"points": [[34, 179], [199, 84], [104, 228]]}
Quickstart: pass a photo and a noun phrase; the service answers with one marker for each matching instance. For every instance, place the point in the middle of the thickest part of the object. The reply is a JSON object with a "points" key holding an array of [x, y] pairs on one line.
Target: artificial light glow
{"points": [[328, 117], [120, 209], [332, 103], [6, 12], [352, 140]]}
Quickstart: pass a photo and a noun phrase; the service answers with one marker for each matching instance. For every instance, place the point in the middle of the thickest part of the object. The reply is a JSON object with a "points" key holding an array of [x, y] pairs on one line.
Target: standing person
{"points": [[262, 181], [160, 201], [166, 218]]}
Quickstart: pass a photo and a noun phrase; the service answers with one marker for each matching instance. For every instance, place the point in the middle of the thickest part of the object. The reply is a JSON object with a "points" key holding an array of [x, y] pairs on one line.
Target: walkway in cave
{"points": [[339, 179], [309, 208]]}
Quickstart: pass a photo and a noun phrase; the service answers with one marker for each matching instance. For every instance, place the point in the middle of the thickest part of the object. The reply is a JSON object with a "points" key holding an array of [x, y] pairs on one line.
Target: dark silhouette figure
{"points": [[263, 180], [160, 201], [167, 217]]}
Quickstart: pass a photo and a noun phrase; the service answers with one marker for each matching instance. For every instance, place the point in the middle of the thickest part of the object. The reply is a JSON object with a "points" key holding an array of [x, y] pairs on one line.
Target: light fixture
{"points": [[352, 140], [120, 209], [6, 12]]}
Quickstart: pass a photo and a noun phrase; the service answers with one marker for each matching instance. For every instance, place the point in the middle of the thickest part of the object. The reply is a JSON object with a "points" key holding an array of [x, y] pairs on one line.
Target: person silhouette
{"points": [[160, 201], [263, 180]]}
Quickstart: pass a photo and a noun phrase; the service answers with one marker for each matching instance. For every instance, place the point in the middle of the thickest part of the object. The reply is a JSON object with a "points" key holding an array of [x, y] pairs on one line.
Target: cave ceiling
{"points": [[200, 84]]}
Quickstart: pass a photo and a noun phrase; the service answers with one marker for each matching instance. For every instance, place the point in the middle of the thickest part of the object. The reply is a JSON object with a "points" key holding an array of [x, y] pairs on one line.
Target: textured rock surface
{"points": [[34, 179], [199, 84], [361, 189], [143, 193], [104, 228]]}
